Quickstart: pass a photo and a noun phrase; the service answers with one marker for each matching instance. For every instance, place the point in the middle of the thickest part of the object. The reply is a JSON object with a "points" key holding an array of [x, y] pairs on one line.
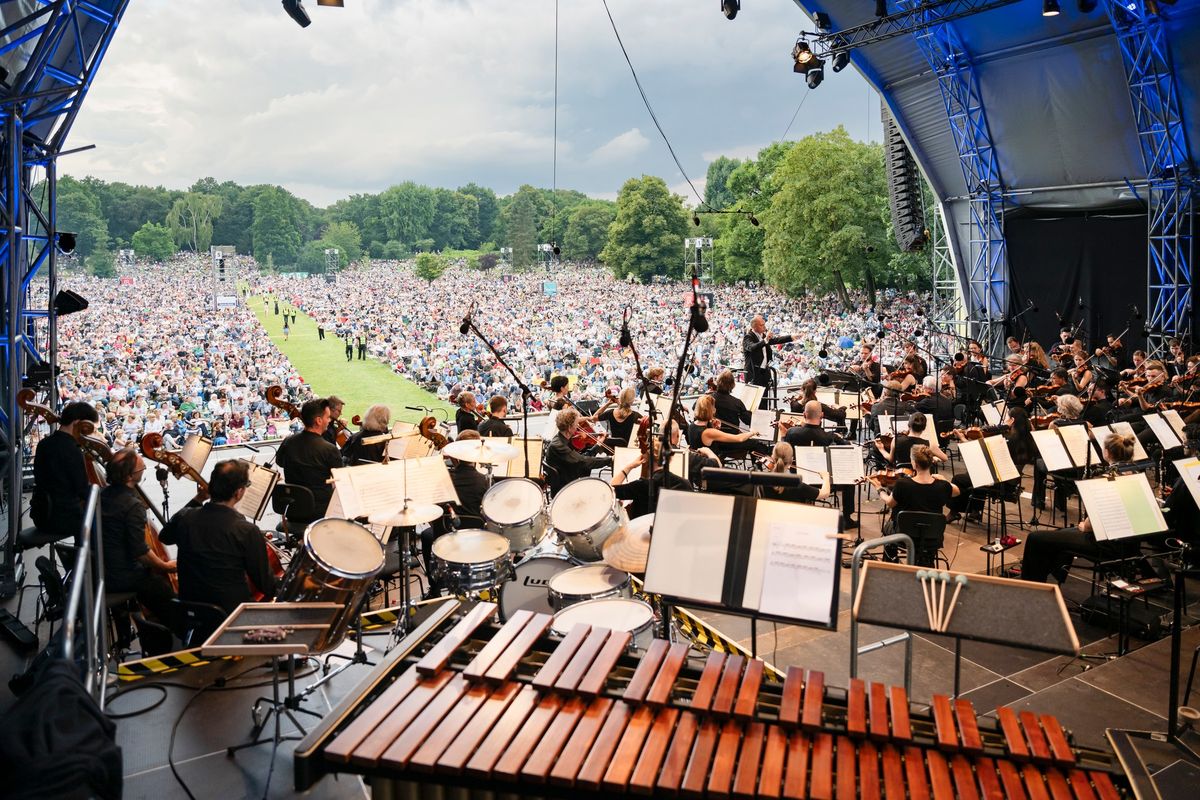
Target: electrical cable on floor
{"points": [[140, 711]]}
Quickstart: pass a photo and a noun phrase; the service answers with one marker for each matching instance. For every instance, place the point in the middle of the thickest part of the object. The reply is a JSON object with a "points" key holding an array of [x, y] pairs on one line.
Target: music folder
{"points": [[262, 483], [1121, 506], [843, 462], [988, 461], [1165, 430], [1066, 447]]}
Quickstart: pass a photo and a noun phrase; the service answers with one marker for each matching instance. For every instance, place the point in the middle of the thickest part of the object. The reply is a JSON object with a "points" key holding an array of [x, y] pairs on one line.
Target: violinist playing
{"points": [[621, 420], [563, 461], [336, 426], [939, 405], [902, 444], [782, 460], [868, 368], [925, 492], [60, 474], [1016, 377], [1081, 374], [1112, 356], [914, 362], [129, 564], [707, 431], [637, 490], [729, 409]]}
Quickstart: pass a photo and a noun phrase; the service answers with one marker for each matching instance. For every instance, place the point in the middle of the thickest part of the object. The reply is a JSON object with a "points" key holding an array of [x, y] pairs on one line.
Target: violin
{"points": [[885, 439], [899, 375], [886, 479], [1043, 422], [979, 432]]}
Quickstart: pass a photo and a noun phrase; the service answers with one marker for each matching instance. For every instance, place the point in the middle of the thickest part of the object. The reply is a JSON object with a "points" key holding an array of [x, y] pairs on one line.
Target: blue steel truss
{"points": [[986, 278], [49, 50], [1157, 111]]}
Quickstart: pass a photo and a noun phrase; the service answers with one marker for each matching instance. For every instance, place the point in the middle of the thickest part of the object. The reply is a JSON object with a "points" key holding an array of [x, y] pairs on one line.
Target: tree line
{"points": [[820, 204]]}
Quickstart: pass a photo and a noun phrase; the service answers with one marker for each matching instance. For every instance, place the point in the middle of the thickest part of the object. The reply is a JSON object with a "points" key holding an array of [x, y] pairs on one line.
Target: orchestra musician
{"points": [[1015, 378], [914, 362], [1112, 356], [129, 564], [1070, 410], [1018, 435], [890, 405], [900, 452], [808, 394], [1050, 553], [707, 431], [729, 409], [307, 459], [637, 491], [654, 376], [868, 368], [1097, 406], [1177, 365], [466, 418], [756, 347], [1139, 358], [336, 404], [218, 547], [976, 355], [813, 434], [495, 425], [1082, 374], [622, 419], [1035, 356], [560, 391], [375, 422], [60, 475], [939, 405], [925, 492], [1065, 340], [563, 462], [782, 460]]}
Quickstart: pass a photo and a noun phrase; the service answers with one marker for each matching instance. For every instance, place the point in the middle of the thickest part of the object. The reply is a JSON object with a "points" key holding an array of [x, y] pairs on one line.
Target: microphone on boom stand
{"points": [[466, 322], [626, 339]]}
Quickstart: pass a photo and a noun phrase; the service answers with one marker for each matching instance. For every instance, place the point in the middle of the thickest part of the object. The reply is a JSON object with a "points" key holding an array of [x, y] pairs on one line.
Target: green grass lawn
{"points": [[323, 365]]}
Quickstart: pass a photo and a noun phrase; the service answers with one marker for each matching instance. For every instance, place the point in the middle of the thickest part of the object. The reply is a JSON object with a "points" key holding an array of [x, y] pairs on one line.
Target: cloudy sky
{"points": [[444, 92]]}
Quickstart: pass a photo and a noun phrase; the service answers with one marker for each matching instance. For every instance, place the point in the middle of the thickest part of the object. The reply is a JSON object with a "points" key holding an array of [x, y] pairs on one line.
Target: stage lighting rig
{"points": [[1050, 8], [295, 10], [841, 60], [730, 8], [807, 63]]}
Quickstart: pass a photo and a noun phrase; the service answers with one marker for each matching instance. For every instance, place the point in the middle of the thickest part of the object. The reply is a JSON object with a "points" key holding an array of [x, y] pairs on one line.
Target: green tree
{"points": [[716, 190], [394, 250], [430, 266], [364, 211], [346, 238], [587, 231], [79, 211], [737, 250], [489, 211], [407, 212], [102, 264], [828, 214], [154, 241], [455, 219], [520, 224], [275, 233], [311, 258], [647, 234], [191, 220]]}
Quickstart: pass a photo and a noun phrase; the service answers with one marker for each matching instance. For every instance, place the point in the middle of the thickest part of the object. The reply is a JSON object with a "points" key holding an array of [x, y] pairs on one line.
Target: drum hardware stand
{"points": [[277, 708], [359, 657]]}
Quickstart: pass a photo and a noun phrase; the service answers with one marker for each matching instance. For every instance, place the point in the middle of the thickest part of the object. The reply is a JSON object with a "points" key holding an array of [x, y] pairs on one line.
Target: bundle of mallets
{"points": [[933, 586]]}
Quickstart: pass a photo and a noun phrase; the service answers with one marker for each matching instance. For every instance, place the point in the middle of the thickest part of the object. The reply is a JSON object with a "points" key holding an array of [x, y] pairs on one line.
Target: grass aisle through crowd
{"points": [[323, 365]]}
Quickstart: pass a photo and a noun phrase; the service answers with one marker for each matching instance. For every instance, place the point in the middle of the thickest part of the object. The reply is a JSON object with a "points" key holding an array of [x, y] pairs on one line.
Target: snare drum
{"points": [[618, 614], [528, 588], [516, 509], [589, 582], [585, 513], [336, 563], [470, 561]]}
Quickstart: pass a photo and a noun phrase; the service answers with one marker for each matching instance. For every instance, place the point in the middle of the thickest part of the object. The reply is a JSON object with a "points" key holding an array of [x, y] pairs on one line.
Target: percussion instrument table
{"points": [[464, 705]]}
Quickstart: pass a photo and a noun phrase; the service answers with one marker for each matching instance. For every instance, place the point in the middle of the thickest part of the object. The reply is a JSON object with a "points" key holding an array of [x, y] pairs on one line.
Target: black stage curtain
{"points": [[1087, 270]]}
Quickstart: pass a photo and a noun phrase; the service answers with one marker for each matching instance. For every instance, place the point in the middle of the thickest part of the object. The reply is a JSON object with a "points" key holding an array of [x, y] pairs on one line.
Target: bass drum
{"points": [[530, 587], [336, 563]]}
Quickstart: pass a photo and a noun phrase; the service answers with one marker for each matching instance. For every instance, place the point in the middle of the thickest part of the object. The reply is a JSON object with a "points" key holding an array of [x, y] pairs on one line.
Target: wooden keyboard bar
{"points": [[456, 755], [576, 750], [943, 721], [660, 691], [597, 761], [506, 663], [492, 650], [814, 697], [789, 703], [939, 776], [1060, 748], [727, 688], [914, 773], [898, 706], [747, 698], [439, 655], [720, 776], [678, 753], [541, 760], [989, 781], [520, 748], [795, 781], [696, 776], [403, 747], [821, 785], [1014, 739], [454, 724], [965, 787], [654, 752], [893, 773], [1010, 777], [597, 675], [1058, 786], [770, 782], [846, 774], [643, 676], [346, 742], [1104, 786], [561, 656], [493, 746], [745, 783], [581, 661], [868, 772], [1034, 784], [968, 726], [371, 748], [620, 768], [1080, 784], [856, 708], [877, 697], [1033, 734], [707, 687]]}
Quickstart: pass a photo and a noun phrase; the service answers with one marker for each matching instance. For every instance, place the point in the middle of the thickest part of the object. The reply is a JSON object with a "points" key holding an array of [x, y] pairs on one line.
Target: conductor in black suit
{"points": [[756, 346]]}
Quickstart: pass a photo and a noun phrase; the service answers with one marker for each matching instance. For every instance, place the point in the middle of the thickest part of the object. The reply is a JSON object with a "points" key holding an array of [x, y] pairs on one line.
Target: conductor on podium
{"points": [[756, 346]]}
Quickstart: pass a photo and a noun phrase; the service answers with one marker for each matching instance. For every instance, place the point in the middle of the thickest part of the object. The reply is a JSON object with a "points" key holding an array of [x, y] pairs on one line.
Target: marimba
{"points": [[478, 708]]}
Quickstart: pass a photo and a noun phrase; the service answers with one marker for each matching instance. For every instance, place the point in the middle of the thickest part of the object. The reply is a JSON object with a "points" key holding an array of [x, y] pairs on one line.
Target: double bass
{"points": [[274, 395], [96, 450]]}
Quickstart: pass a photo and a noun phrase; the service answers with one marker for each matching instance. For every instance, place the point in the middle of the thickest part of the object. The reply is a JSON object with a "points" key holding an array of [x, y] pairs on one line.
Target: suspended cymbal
{"points": [[481, 451], [406, 517], [629, 549]]}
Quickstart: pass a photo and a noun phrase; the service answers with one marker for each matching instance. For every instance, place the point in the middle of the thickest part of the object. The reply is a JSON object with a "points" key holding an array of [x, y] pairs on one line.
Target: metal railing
{"points": [[906, 637], [87, 590]]}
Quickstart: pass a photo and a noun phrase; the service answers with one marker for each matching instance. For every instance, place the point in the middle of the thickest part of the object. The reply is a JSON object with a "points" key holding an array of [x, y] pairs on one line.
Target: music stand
{"points": [[307, 623]]}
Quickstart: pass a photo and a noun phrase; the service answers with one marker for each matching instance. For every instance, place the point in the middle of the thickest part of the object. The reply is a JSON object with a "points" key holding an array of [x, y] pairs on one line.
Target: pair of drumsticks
{"points": [[933, 586]]}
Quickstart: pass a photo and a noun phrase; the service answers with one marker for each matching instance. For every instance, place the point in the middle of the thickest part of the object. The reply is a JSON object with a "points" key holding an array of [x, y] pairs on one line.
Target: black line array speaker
{"points": [[904, 188]]}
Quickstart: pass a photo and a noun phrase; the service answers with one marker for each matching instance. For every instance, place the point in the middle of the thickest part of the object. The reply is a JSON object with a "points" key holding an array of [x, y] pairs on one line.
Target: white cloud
{"points": [[738, 151], [438, 91]]}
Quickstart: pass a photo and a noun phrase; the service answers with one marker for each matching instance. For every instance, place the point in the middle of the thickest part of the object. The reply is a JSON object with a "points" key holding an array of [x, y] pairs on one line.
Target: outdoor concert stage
{"points": [[1086, 695]]}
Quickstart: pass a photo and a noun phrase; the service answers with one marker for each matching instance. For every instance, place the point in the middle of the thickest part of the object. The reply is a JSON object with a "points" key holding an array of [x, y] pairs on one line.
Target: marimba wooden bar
{"points": [[508, 709]]}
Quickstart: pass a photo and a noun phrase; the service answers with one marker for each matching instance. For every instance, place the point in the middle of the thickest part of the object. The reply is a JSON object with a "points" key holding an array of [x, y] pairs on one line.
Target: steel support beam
{"points": [[1157, 111]]}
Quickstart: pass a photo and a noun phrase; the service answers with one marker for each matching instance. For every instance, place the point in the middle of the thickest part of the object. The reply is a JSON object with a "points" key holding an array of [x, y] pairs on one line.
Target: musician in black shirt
{"points": [[61, 479], [924, 492], [495, 425], [336, 404], [307, 459], [466, 417], [563, 461], [218, 547], [783, 460], [813, 434], [621, 420], [729, 409], [637, 491], [756, 347], [375, 423]]}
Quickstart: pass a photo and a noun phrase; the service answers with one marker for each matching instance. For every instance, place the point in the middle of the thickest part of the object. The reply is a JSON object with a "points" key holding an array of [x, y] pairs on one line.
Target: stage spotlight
{"points": [[1087, 6], [881, 8], [295, 10], [805, 58], [66, 243], [815, 75], [821, 19], [753, 220], [67, 302], [841, 60], [1050, 8], [730, 8]]}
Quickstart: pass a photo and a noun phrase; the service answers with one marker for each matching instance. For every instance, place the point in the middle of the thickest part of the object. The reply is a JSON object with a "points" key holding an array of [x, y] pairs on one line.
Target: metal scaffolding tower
{"points": [[49, 53], [1157, 111], [698, 256]]}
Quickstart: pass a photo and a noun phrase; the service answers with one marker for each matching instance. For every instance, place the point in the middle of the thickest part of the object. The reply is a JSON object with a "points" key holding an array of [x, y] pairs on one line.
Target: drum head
{"points": [[513, 501], [581, 504], [527, 589], [618, 614], [588, 580], [470, 547], [345, 548]]}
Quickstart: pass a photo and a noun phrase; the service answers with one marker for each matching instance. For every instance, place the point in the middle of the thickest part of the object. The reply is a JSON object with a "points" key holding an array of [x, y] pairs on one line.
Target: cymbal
{"points": [[407, 517], [628, 549], [481, 451]]}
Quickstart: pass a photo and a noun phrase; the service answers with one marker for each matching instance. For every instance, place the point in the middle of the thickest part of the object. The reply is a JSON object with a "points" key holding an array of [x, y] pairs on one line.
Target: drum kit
{"points": [[552, 558]]}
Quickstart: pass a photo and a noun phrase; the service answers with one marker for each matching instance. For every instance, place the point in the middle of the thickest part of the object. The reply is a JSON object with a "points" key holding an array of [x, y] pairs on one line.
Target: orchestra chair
{"points": [[194, 622], [928, 532], [553, 481], [33, 539], [290, 500]]}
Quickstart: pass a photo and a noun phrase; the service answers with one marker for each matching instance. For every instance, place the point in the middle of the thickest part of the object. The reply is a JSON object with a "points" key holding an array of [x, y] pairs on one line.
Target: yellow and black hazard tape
{"points": [[162, 664]]}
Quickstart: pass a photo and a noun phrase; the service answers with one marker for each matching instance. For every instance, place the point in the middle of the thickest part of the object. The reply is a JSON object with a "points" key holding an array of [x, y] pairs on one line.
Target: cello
{"points": [[96, 450], [274, 395]]}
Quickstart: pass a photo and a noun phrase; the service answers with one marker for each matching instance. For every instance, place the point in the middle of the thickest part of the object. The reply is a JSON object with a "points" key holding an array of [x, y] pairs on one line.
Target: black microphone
{"points": [[1137, 314], [466, 323], [251, 447], [1081, 305], [160, 474], [416, 408], [824, 351], [626, 339]]}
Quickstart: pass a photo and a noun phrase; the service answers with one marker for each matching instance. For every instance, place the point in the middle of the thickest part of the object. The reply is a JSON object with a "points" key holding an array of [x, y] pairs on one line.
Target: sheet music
{"points": [[1172, 416], [993, 413], [1051, 449], [763, 421], [1101, 432], [750, 394], [516, 467], [1078, 445], [689, 546], [892, 425], [258, 493], [976, 462], [623, 458], [845, 464], [997, 448], [799, 577], [1121, 507], [195, 452], [813, 460], [830, 397], [412, 445], [1163, 431], [379, 488], [1189, 470]]}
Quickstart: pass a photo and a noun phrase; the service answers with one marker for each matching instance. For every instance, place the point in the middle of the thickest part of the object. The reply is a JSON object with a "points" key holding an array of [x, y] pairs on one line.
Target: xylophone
{"points": [[508, 710]]}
